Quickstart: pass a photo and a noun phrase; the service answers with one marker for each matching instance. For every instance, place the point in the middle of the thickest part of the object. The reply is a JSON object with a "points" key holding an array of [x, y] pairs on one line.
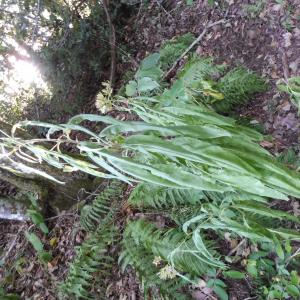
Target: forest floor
{"points": [[261, 35]]}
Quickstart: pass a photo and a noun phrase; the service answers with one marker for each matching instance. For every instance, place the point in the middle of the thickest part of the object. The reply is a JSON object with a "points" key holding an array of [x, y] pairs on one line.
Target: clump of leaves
{"points": [[238, 86], [35, 215], [274, 279], [292, 87], [43, 255], [290, 157], [255, 8], [172, 49], [93, 256]]}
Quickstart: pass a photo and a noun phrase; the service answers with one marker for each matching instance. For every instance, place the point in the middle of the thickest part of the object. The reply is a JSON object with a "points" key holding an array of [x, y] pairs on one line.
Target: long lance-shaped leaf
{"points": [[286, 233], [93, 118], [102, 163], [247, 183], [158, 145], [272, 173], [21, 169], [264, 211], [171, 176], [240, 146], [201, 151], [197, 239], [55, 128], [199, 131], [36, 124], [237, 228], [206, 117], [196, 219]]}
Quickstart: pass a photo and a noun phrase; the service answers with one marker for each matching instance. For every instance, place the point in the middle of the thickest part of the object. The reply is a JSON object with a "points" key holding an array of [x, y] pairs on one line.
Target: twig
{"points": [[236, 248], [231, 252], [165, 11], [112, 42], [296, 253], [192, 45], [12, 245]]}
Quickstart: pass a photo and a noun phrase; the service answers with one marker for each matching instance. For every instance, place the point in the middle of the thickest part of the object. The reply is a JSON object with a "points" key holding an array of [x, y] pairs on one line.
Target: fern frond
{"points": [[146, 195], [172, 245], [289, 157], [152, 196], [139, 252], [198, 69], [92, 215], [172, 49], [238, 86], [91, 257], [141, 261]]}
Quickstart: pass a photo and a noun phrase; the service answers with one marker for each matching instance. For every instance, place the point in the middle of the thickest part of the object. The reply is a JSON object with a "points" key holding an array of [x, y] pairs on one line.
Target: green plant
{"points": [[275, 279], [5, 296], [93, 215], [290, 158], [199, 214], [238, 86], [35, 215], [292, 87], [256, 8], [216, 284], [163, 258], [38, 246], [208, 177], [221, 213], [172, 49], [93, 260]]}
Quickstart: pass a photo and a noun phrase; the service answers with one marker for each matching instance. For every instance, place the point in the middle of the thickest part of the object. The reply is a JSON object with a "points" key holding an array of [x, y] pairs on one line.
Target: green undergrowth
{"points": [[204, 174], [200, 79], [93, 261]]}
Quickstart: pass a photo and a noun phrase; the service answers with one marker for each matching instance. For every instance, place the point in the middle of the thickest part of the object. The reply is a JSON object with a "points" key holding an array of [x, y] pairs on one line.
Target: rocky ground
{"points": [[262, 35]]}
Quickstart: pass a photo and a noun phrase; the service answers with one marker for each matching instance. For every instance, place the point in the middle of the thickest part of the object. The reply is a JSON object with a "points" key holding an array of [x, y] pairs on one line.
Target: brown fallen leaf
{"points": [[266, 144]]}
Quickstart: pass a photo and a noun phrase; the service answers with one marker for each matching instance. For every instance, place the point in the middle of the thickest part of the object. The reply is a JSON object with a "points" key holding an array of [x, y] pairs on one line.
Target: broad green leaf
{"points": [[131, 88], [295, 280], [176, 94], [150, 61], [252, 268], [221, 293], [35, 241], [146, 84], [234, 274], [149, 67], [43, 228], [293, 290], [35, 216]]}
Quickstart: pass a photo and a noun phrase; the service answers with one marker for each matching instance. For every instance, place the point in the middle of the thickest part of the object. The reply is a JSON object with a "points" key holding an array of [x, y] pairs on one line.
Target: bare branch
{"points": [[196, 41]]}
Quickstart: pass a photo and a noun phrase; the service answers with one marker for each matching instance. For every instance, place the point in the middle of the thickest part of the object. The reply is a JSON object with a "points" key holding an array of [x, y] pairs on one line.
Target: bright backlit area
{"points": [[23, 75]]}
